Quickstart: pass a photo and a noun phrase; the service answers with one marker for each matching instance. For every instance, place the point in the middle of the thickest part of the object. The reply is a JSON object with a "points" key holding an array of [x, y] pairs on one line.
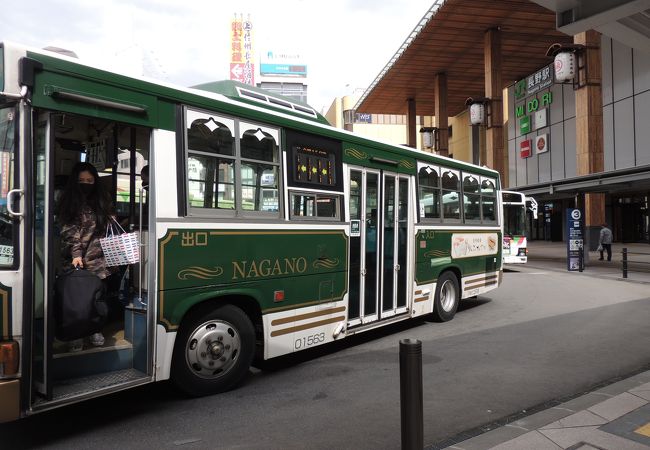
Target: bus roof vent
{"points": [[62, 51], [254, 95], [285, 104]]}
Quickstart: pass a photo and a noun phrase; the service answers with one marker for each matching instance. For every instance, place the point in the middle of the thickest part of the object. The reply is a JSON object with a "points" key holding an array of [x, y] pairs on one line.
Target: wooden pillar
{"points": [[441, 113], [589, 122], [411, 124], [493, 90]]}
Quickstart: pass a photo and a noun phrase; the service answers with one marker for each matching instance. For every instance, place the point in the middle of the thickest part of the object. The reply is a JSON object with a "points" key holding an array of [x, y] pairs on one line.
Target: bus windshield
{"points": [[514, 220]]}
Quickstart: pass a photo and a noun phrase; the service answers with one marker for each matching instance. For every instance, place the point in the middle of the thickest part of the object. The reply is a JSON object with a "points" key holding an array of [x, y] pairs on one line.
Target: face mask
{"points": [[85, 188]]}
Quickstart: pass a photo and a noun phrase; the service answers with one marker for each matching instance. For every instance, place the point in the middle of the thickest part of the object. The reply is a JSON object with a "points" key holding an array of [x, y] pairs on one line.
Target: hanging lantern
{"points": [[477, 113], [427, 139], [565, 66]]}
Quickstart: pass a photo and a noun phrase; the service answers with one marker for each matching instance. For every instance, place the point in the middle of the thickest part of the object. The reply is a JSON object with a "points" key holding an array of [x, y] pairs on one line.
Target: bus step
{"points": [[92, 361], [84, 385]]}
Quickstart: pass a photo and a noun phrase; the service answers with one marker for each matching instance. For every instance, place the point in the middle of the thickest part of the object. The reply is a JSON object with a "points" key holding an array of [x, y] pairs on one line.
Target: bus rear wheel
{"points": [[447, 297], [213, 350]]}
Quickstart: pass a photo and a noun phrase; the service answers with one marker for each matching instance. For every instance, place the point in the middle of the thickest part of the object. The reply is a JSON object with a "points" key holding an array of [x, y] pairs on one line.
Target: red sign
{"points": [[242, 72], [524, 148]]}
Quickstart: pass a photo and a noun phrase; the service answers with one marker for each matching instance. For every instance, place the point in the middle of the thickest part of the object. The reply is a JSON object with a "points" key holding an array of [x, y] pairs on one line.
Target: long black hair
{"points": [[73, 199]]}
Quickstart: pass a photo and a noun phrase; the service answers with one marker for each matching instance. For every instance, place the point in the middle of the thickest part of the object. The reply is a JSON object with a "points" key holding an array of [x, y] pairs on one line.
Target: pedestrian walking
{"points": [[605, 242]]}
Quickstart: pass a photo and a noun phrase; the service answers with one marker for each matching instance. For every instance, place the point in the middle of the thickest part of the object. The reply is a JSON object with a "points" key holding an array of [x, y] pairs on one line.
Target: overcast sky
{"points": [[344, 43]]}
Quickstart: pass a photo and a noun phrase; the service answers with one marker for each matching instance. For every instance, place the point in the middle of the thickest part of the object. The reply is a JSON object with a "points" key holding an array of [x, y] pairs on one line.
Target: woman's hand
{"points": [[77, 262]]}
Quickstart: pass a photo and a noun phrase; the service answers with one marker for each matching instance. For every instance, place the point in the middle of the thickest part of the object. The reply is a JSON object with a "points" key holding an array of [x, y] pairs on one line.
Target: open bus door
{"points": [[37, 308], [61, 373]]}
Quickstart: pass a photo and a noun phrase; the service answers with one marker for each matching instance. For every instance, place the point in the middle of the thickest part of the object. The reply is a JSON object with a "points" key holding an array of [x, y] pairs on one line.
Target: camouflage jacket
{"points": [[81, 238]]}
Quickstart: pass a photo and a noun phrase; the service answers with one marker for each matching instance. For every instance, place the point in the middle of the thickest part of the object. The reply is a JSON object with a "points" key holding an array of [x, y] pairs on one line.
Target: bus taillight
{"points": [[8, 358]]}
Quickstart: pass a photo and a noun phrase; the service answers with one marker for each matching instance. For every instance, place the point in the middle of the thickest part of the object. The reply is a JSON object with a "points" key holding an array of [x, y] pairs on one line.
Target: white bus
{"points": [[515, 208]]}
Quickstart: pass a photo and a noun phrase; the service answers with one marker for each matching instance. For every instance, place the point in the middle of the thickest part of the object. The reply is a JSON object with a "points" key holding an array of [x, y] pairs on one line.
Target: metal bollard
{"points": [[410, 375], [624, 262]]}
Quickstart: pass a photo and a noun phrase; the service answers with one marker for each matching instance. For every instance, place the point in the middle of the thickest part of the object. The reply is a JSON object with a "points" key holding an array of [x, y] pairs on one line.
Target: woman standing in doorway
{"points": [[84, 211]]}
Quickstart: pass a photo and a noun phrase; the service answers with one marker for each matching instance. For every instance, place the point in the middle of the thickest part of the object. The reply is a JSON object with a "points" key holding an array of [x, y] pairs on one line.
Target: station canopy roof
{"points": [[450, 38]]}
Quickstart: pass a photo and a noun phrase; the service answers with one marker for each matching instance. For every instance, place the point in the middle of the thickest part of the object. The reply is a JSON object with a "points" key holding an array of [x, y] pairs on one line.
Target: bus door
{"points": [[379, 208], [395, 215], [41, 315], [62, 371]]}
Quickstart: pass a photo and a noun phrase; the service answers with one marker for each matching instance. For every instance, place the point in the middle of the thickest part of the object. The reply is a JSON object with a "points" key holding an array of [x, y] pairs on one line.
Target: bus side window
{"points": [[450, 182], [260, 171], [316, 206], [210, 162], [488, 200], [429, 192], [471, 197]]}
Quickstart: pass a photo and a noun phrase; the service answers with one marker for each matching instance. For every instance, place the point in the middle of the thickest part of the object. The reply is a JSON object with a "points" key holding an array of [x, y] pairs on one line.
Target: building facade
{"points": [[543, 161]]}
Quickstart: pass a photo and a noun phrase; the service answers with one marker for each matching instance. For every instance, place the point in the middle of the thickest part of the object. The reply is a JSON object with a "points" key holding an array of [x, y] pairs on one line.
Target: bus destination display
{"points": [[314, 166]]}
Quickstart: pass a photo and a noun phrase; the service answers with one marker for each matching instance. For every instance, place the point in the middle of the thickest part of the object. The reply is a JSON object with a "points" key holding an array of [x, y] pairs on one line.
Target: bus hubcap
{"points": [[447, 295], [212, 349]]}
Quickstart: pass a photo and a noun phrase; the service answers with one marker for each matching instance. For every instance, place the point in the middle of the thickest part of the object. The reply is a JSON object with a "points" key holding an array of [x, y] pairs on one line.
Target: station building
{"points": [[582, 141]]}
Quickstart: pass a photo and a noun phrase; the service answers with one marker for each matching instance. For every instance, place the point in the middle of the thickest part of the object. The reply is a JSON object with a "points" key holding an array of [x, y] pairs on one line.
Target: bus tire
{"points": [[447, 297], [213, 350]]}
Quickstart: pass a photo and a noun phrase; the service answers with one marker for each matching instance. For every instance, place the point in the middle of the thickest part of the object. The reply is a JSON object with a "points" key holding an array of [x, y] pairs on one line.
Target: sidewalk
{"points": [[552, 256], [615, 417]]}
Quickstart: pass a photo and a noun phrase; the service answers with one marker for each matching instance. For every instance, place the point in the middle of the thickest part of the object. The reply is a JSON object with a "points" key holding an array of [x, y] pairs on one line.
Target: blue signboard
{"points": [[363, 118], [296, 70], [574, 239]]}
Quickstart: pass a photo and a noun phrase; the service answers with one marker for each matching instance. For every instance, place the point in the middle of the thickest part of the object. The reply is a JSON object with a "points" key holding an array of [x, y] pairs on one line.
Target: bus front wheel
{"points": [[447, 297], [213, 351]]}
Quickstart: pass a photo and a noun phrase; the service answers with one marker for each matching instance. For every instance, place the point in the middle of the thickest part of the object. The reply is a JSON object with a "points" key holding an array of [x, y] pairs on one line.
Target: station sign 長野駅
{"points": [[533, 99]]}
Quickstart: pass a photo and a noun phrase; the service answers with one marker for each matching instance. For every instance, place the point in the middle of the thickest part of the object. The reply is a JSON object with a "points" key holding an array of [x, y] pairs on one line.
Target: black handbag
{"points": [[80, 307]]}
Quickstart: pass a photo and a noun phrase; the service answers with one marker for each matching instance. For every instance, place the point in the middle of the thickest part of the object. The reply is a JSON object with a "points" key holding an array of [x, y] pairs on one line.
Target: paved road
{"points": [[540, 337]]}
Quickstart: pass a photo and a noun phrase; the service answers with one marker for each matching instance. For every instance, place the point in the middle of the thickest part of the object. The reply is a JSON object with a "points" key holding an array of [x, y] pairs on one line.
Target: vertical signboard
{"points": [[242, 67], [575, 242]]}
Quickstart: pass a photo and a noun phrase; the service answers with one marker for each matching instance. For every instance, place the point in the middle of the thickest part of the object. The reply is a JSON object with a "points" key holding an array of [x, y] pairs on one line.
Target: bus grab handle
{"points": [[10, 195]]}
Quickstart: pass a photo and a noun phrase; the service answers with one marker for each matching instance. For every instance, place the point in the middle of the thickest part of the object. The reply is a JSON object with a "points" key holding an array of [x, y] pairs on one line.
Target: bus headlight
{"points": [[522, 252], [9, 357]]}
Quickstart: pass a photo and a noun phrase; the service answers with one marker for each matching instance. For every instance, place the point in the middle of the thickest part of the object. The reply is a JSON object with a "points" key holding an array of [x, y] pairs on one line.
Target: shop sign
{"points": [[533, 104], [242, 68], [524, 148]]}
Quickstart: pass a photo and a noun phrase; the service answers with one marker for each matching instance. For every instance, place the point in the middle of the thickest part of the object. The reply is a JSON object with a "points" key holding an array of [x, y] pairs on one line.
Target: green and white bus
{"points": [[264, 230]]}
